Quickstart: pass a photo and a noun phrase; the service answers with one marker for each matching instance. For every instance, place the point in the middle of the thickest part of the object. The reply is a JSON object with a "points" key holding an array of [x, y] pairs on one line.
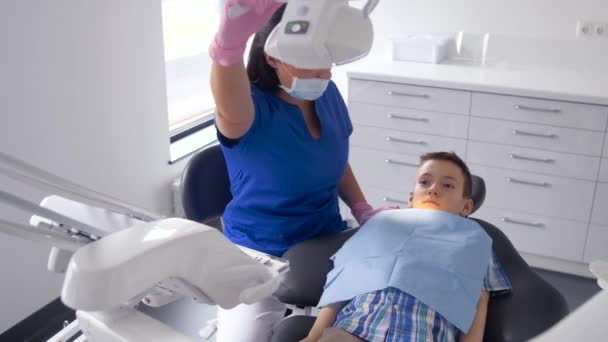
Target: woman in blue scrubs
{"points": [[284, 132]]}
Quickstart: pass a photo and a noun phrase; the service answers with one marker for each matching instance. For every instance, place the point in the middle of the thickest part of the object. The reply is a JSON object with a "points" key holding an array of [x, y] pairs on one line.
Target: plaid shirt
{"points": [[391, 315]]}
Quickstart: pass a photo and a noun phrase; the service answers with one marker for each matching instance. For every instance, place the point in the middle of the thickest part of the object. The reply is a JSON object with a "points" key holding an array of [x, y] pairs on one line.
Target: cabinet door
{"points": [[382, 197], [547, 112], [537, 194], [411, 120], [533, 160], [604, 170], [536, 136], [404, 142], [600, 206], [384, 170], [409, 96], [597, 243], [537, 234]]}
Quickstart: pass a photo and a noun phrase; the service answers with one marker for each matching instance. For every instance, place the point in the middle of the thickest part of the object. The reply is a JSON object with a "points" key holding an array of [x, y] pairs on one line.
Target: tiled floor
{"points": [[189, 317]]}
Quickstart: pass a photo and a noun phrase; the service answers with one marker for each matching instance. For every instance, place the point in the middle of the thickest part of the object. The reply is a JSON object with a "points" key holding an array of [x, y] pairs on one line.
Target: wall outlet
{"points": [[601, 30], [591, 29], [584, 29]]}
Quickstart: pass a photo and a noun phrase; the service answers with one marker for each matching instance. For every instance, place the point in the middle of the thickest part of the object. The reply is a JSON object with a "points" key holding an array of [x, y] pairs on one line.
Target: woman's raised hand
{"points": [[240, 20]]}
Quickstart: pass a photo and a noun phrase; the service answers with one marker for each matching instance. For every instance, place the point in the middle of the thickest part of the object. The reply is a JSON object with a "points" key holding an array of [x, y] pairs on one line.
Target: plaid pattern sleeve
{"points": [[496, 281]]}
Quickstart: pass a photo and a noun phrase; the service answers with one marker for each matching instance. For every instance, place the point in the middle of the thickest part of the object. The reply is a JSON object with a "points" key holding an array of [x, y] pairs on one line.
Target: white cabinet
{"points": [[537, 136], [536, 193], [407, 119], [533, 160], [409, 96], [604, 170], [536, 234], [541, 111], [600, 207], [544, 161], [597, 246]]}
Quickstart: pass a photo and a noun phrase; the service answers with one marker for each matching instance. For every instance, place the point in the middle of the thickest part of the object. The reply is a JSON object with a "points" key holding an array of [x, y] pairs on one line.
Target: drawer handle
{"points": [[538, 135], [519, 181], [393, 200], [411, 142], [398, 93], [540, 160], [410, 118], [395, 162], [523, 223], [537, 109]]}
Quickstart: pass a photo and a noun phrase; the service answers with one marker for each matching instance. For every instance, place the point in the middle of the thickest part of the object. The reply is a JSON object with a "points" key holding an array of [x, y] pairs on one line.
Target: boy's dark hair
{"points": [[452, 157], [259, 71]]}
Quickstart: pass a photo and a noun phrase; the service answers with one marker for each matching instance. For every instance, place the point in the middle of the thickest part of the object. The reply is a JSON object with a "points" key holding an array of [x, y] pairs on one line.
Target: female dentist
{"points": [[284, 132]]}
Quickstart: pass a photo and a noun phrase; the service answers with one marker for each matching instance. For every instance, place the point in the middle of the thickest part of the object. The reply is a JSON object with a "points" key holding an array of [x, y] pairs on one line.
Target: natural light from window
{"points": [[188, 27]]}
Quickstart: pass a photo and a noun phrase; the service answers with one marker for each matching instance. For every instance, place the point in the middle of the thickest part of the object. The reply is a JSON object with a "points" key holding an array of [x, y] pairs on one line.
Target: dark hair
{"points": [[259, 71], [453, 158]]}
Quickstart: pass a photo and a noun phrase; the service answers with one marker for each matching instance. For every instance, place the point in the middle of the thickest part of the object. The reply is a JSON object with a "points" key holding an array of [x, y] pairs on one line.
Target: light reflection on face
{"points": [[439, 186]]}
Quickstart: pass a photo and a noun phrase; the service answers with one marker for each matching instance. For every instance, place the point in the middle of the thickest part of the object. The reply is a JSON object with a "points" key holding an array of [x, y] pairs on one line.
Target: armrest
{"points": [[531, 308], [309, 264]]}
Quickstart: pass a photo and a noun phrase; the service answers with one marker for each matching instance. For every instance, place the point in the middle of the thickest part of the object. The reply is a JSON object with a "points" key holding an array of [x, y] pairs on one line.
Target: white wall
{"points": [[82, 94], [555, 19], [550, 19]]}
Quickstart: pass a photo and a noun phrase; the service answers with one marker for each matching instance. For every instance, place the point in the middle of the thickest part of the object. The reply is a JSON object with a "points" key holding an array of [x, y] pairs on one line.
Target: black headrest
{"points": [[205, 185], [479, 192]]}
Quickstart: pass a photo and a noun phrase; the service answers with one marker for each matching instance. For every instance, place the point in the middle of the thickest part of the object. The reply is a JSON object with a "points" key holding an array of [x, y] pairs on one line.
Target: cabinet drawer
{"points": [[550, 112], [597, 243], [537, 194], [604, 170], [600, 205], [537, 234], [606, 146], [409, 96], [525, 159], [382, 198], [411, 120], [404, 142], [384, 170], [536, 136]]}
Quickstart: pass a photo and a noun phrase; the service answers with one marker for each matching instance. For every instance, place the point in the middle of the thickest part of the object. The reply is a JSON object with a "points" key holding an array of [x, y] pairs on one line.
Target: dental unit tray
{"points": [[116, 255]]}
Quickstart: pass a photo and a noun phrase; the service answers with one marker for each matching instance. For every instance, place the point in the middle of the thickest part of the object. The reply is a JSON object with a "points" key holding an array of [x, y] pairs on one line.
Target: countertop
{"points": [[558, 84]]}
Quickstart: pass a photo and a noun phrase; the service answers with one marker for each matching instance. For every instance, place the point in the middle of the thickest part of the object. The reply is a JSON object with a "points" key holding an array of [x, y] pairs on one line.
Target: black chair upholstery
{"points": [[205, 186], [532, 307]]}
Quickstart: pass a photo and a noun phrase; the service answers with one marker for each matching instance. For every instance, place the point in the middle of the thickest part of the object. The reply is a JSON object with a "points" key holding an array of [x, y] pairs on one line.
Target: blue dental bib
{"points": [[438, 257]]}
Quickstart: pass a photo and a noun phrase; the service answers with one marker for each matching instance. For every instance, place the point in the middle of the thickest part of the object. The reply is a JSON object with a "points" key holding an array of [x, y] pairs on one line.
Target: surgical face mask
{"points": [[306, 88]]}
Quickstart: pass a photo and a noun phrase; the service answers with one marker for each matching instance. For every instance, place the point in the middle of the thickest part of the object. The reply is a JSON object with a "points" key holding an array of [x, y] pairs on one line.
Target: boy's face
{"points": [[439, 186]]}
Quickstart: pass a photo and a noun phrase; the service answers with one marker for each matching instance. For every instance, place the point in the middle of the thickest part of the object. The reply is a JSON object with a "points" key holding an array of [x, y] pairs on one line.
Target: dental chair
{"points": [[532, 307]]}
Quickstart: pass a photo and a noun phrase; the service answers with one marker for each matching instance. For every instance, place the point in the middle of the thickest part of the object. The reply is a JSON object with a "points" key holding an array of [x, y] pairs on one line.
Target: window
{"points": [[188, 28]]}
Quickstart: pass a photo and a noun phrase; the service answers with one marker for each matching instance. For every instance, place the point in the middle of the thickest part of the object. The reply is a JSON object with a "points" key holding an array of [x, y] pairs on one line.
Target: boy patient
{"points": [[443, 183]]}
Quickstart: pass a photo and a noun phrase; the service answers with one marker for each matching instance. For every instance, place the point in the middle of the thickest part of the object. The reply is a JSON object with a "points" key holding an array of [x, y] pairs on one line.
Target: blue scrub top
{"points": [[283, 181]]}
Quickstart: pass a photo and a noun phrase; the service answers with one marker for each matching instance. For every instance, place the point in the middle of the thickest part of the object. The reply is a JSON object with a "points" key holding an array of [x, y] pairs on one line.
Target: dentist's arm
{"points": [[349, 189], [476, 330], [350, 192], [229, 82]]}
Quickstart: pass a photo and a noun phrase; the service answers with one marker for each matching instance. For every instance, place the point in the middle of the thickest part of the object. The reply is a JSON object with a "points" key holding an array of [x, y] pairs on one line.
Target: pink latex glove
{"points": [[362, 211], [240, 20]]}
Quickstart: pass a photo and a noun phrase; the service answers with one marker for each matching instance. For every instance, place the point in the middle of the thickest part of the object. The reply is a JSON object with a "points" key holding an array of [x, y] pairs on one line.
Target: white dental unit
{"points": [[115, 255]]}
